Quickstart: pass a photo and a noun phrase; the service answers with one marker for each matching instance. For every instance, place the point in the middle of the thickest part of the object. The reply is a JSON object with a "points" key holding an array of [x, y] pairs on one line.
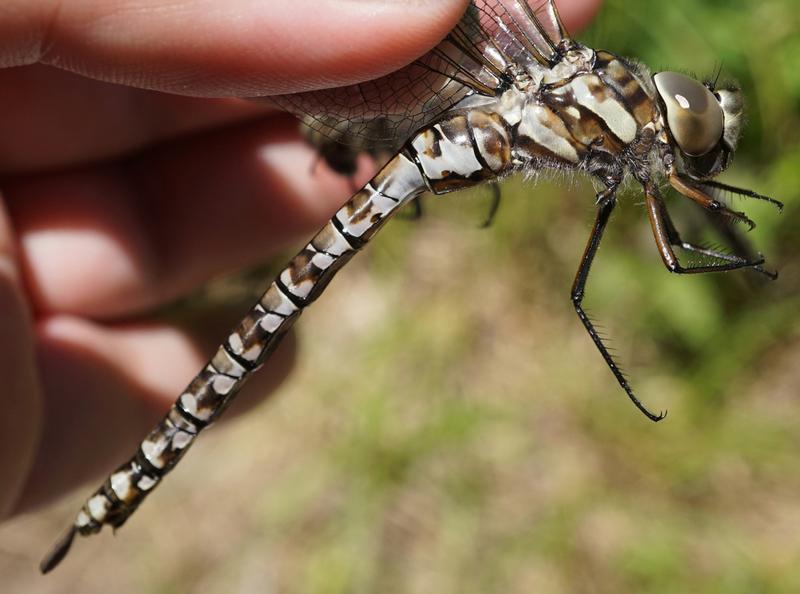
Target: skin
{"points": [[117, 198]]}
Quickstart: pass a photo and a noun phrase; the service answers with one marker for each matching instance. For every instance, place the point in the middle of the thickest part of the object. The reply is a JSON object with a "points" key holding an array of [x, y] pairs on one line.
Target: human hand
{"points": [[117, 197]]}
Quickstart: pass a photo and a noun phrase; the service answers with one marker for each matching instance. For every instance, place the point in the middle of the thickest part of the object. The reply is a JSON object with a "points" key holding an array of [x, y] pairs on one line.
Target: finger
{"points": [[20, 399], [212, 48], [50, 118], [577, 14], [113, 240], [106, 386]]}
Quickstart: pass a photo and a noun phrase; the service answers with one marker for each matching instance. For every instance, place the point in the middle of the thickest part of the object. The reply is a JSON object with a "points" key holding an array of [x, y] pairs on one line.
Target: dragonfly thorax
{"points": [[575, 59], [586, 112]]}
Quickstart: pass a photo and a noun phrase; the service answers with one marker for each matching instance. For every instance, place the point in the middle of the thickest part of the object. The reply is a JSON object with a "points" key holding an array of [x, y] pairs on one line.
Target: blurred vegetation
{"points": [[452, 429]]}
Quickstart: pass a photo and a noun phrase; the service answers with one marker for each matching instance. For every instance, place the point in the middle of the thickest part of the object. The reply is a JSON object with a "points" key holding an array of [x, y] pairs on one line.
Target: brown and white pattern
{"points": [[507, 91]]}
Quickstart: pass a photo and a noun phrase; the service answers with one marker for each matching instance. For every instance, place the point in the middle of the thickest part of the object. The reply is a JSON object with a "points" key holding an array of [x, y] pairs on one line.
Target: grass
{"points": [[451, 428]]}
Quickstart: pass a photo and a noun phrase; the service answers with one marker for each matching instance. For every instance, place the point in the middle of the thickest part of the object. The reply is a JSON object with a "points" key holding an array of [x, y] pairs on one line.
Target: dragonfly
{"points": [[506, 92]]}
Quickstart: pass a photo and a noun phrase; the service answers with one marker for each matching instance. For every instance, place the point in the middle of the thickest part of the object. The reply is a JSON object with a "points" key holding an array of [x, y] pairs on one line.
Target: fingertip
{"points": [[577, 14], [239, 48]]}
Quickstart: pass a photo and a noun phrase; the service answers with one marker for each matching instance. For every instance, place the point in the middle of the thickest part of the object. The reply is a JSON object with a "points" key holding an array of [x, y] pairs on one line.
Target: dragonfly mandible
{"points": [[507, 92]]}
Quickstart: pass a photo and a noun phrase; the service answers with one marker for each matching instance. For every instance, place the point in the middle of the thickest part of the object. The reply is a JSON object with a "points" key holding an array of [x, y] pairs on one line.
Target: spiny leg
{"points": [[606, 203], [697, 196], [664, 233], [743, 192], [738, 243]]}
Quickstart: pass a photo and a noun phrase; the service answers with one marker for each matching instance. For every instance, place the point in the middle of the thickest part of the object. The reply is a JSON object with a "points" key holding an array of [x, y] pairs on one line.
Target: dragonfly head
{"points": [[704, 122]]}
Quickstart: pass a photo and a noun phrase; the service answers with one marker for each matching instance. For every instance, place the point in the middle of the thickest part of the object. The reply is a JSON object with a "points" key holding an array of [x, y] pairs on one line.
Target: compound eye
{"points": [[694, 115]]}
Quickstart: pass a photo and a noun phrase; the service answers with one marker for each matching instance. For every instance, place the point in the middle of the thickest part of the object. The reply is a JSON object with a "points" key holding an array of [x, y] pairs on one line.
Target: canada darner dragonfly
{"points": [[507, 91]]}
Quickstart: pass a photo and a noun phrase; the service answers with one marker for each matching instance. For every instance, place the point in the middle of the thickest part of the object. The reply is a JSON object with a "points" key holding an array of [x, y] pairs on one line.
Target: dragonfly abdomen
{"points": [[245, 349]]}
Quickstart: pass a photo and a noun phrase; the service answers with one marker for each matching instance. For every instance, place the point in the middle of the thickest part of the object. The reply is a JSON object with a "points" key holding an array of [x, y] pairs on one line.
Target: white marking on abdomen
{"points": [[405, 179], [453, 158]]}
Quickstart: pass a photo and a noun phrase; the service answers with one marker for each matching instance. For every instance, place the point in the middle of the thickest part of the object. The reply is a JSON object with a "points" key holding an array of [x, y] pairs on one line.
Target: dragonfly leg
{"points": [[666, 236], [743, 192], [735, 240], [738, 243], [606, 202], [698, 196], [413, 212], [494, 205]]}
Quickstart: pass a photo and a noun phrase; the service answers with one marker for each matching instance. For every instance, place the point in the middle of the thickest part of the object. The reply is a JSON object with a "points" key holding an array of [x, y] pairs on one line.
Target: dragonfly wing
{"points": [[476, 58]]}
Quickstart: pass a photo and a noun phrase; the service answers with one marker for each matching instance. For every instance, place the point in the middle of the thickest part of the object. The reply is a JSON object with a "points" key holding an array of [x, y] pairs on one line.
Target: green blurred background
{"points": [[451, 428]]}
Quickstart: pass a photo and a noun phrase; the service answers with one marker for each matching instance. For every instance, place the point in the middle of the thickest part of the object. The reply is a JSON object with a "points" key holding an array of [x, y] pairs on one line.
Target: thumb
{"points": [[213, 48]]}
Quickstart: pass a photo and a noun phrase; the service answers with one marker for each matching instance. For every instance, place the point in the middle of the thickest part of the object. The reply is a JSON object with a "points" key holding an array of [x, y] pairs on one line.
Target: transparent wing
{"points": [[343, 158], [476, 57]]}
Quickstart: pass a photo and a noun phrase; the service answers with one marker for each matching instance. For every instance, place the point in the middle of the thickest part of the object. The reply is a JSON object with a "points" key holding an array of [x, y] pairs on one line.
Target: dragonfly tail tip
{"points": [[58, 552]]}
